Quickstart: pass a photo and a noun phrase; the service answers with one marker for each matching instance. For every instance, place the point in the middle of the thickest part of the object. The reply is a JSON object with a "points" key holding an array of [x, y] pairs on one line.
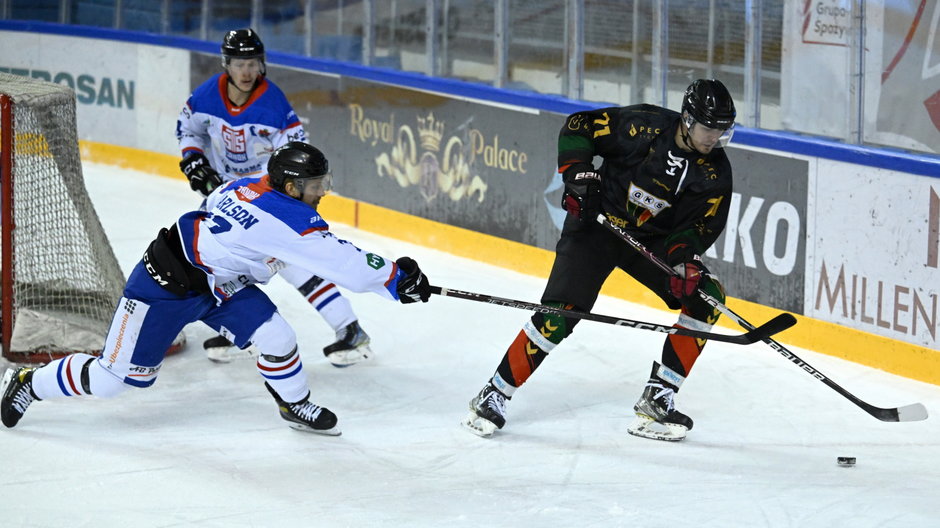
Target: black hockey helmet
{"points": [[298, 161], [242, 44], [708, 102]]}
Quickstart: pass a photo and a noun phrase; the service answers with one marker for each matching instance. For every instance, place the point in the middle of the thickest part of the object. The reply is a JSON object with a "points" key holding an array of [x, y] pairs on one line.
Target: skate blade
{"points": [[646, 427], [479, 426], [229, 354], [345, 358], [334, 431]]}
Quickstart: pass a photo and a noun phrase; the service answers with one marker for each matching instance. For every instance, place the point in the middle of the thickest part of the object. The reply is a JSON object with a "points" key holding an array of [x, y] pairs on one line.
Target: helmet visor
{"points": [[320, 185], [723, 134]]}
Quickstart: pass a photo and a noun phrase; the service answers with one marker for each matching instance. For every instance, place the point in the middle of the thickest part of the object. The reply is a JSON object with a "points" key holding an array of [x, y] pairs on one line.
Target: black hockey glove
{"points": [[414, 286], [202, 177], [582, 198]]}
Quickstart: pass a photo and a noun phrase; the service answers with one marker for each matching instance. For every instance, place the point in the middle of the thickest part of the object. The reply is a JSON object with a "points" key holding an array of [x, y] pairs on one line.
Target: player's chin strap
{"points": [[907, 413], [685, 131], [777, 324]]}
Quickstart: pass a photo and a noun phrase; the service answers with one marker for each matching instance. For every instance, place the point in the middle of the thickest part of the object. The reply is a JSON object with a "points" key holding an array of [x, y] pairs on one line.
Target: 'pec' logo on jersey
{"points": [[651, 203]]}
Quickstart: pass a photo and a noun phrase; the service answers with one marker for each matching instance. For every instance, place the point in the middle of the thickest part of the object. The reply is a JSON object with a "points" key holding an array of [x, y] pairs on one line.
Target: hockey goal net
{"points": [[60, 278]]}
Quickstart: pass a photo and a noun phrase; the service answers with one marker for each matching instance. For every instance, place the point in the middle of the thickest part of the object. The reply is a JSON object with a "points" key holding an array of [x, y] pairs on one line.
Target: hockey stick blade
{"points": [[914, 412], [773, 326]]}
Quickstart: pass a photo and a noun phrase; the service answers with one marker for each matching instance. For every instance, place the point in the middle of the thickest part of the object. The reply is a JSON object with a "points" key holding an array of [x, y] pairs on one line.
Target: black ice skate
{"points": [[351, 346], [656, 415], [17, 390], [487, 412], [221, 350], [305, 416]]}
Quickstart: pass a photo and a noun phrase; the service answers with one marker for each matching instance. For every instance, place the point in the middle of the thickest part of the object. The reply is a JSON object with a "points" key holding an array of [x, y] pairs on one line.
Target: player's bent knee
{"points": [[274, 337], [553, 326], [100, 382]]}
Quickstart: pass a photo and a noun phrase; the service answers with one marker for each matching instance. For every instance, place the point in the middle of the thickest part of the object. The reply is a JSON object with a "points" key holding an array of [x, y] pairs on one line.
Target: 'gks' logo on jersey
{"points": [[650, 202], [236, 146]]}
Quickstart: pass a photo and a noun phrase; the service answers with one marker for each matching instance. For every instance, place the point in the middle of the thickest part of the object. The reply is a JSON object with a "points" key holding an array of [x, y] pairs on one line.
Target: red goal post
{"points": [[59, 278]]}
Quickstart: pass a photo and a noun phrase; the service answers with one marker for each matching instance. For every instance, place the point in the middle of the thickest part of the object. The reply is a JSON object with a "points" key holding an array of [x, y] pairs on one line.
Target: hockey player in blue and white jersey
{"points": [[205, 267], [227, 130]]}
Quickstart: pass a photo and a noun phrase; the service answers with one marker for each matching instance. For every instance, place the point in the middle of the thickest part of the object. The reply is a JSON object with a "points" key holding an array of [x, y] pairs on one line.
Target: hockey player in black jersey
{"points": [[666, 180]]}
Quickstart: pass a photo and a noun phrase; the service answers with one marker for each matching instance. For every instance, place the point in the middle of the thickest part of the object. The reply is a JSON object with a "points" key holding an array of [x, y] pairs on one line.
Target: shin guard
{"points": [[539, 336], [681, 352], [75, 375], [323, 295]]}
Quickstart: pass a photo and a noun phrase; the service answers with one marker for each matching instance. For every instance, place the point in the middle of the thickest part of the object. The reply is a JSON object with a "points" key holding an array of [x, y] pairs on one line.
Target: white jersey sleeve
{"points": [[192, 131], [249, 232]]}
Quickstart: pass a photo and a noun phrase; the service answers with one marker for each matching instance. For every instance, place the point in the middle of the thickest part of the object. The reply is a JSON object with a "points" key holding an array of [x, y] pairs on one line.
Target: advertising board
{"points": [[875, 252], [124, 92]]}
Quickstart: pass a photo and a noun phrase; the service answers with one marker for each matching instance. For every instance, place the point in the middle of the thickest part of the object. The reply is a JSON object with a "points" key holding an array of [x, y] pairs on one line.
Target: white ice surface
{"points": [[206, 447]]}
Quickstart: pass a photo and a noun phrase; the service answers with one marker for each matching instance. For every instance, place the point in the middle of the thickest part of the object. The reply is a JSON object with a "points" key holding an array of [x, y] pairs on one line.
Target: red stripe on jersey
{"points": [[392, 275], [196, 243], [236, 110], [261, 186], [565, 165], [313, 229], [293, 125], [284, 367]]}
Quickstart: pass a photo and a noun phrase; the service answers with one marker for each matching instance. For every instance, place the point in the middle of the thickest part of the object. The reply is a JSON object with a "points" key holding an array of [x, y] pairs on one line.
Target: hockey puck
{"points": [[846, 461]]}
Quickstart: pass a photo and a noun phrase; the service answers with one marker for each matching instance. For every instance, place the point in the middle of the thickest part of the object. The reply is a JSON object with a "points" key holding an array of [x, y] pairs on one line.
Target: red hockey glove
{"points": [[582, 198], [686, 281]]}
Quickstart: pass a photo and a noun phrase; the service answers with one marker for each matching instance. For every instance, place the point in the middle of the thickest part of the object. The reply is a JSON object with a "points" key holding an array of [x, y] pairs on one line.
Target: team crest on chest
{"points": [[236, 145], [652, 204]]}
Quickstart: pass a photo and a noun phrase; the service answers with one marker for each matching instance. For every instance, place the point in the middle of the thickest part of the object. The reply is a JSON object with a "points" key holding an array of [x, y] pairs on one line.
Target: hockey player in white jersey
{"points": [[205, 268], [227, 130]]}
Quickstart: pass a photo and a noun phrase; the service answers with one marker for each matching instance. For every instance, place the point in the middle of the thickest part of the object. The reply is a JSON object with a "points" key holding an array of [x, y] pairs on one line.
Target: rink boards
{"points": [[845, 237]]}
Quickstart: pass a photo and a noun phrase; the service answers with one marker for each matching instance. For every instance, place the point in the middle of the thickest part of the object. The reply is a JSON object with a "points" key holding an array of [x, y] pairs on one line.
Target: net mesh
{"points": [[66, 279]]}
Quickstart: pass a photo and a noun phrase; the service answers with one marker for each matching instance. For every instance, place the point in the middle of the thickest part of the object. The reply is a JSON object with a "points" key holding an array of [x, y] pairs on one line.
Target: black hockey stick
{"points": [[777, 324], [908, 413]]}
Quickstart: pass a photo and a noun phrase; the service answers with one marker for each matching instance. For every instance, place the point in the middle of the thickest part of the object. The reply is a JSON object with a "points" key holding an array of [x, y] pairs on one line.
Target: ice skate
{"points": [[221, 350], [17, 390], [305, 416], [487, 412], [351, 346], [656, 415]]}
